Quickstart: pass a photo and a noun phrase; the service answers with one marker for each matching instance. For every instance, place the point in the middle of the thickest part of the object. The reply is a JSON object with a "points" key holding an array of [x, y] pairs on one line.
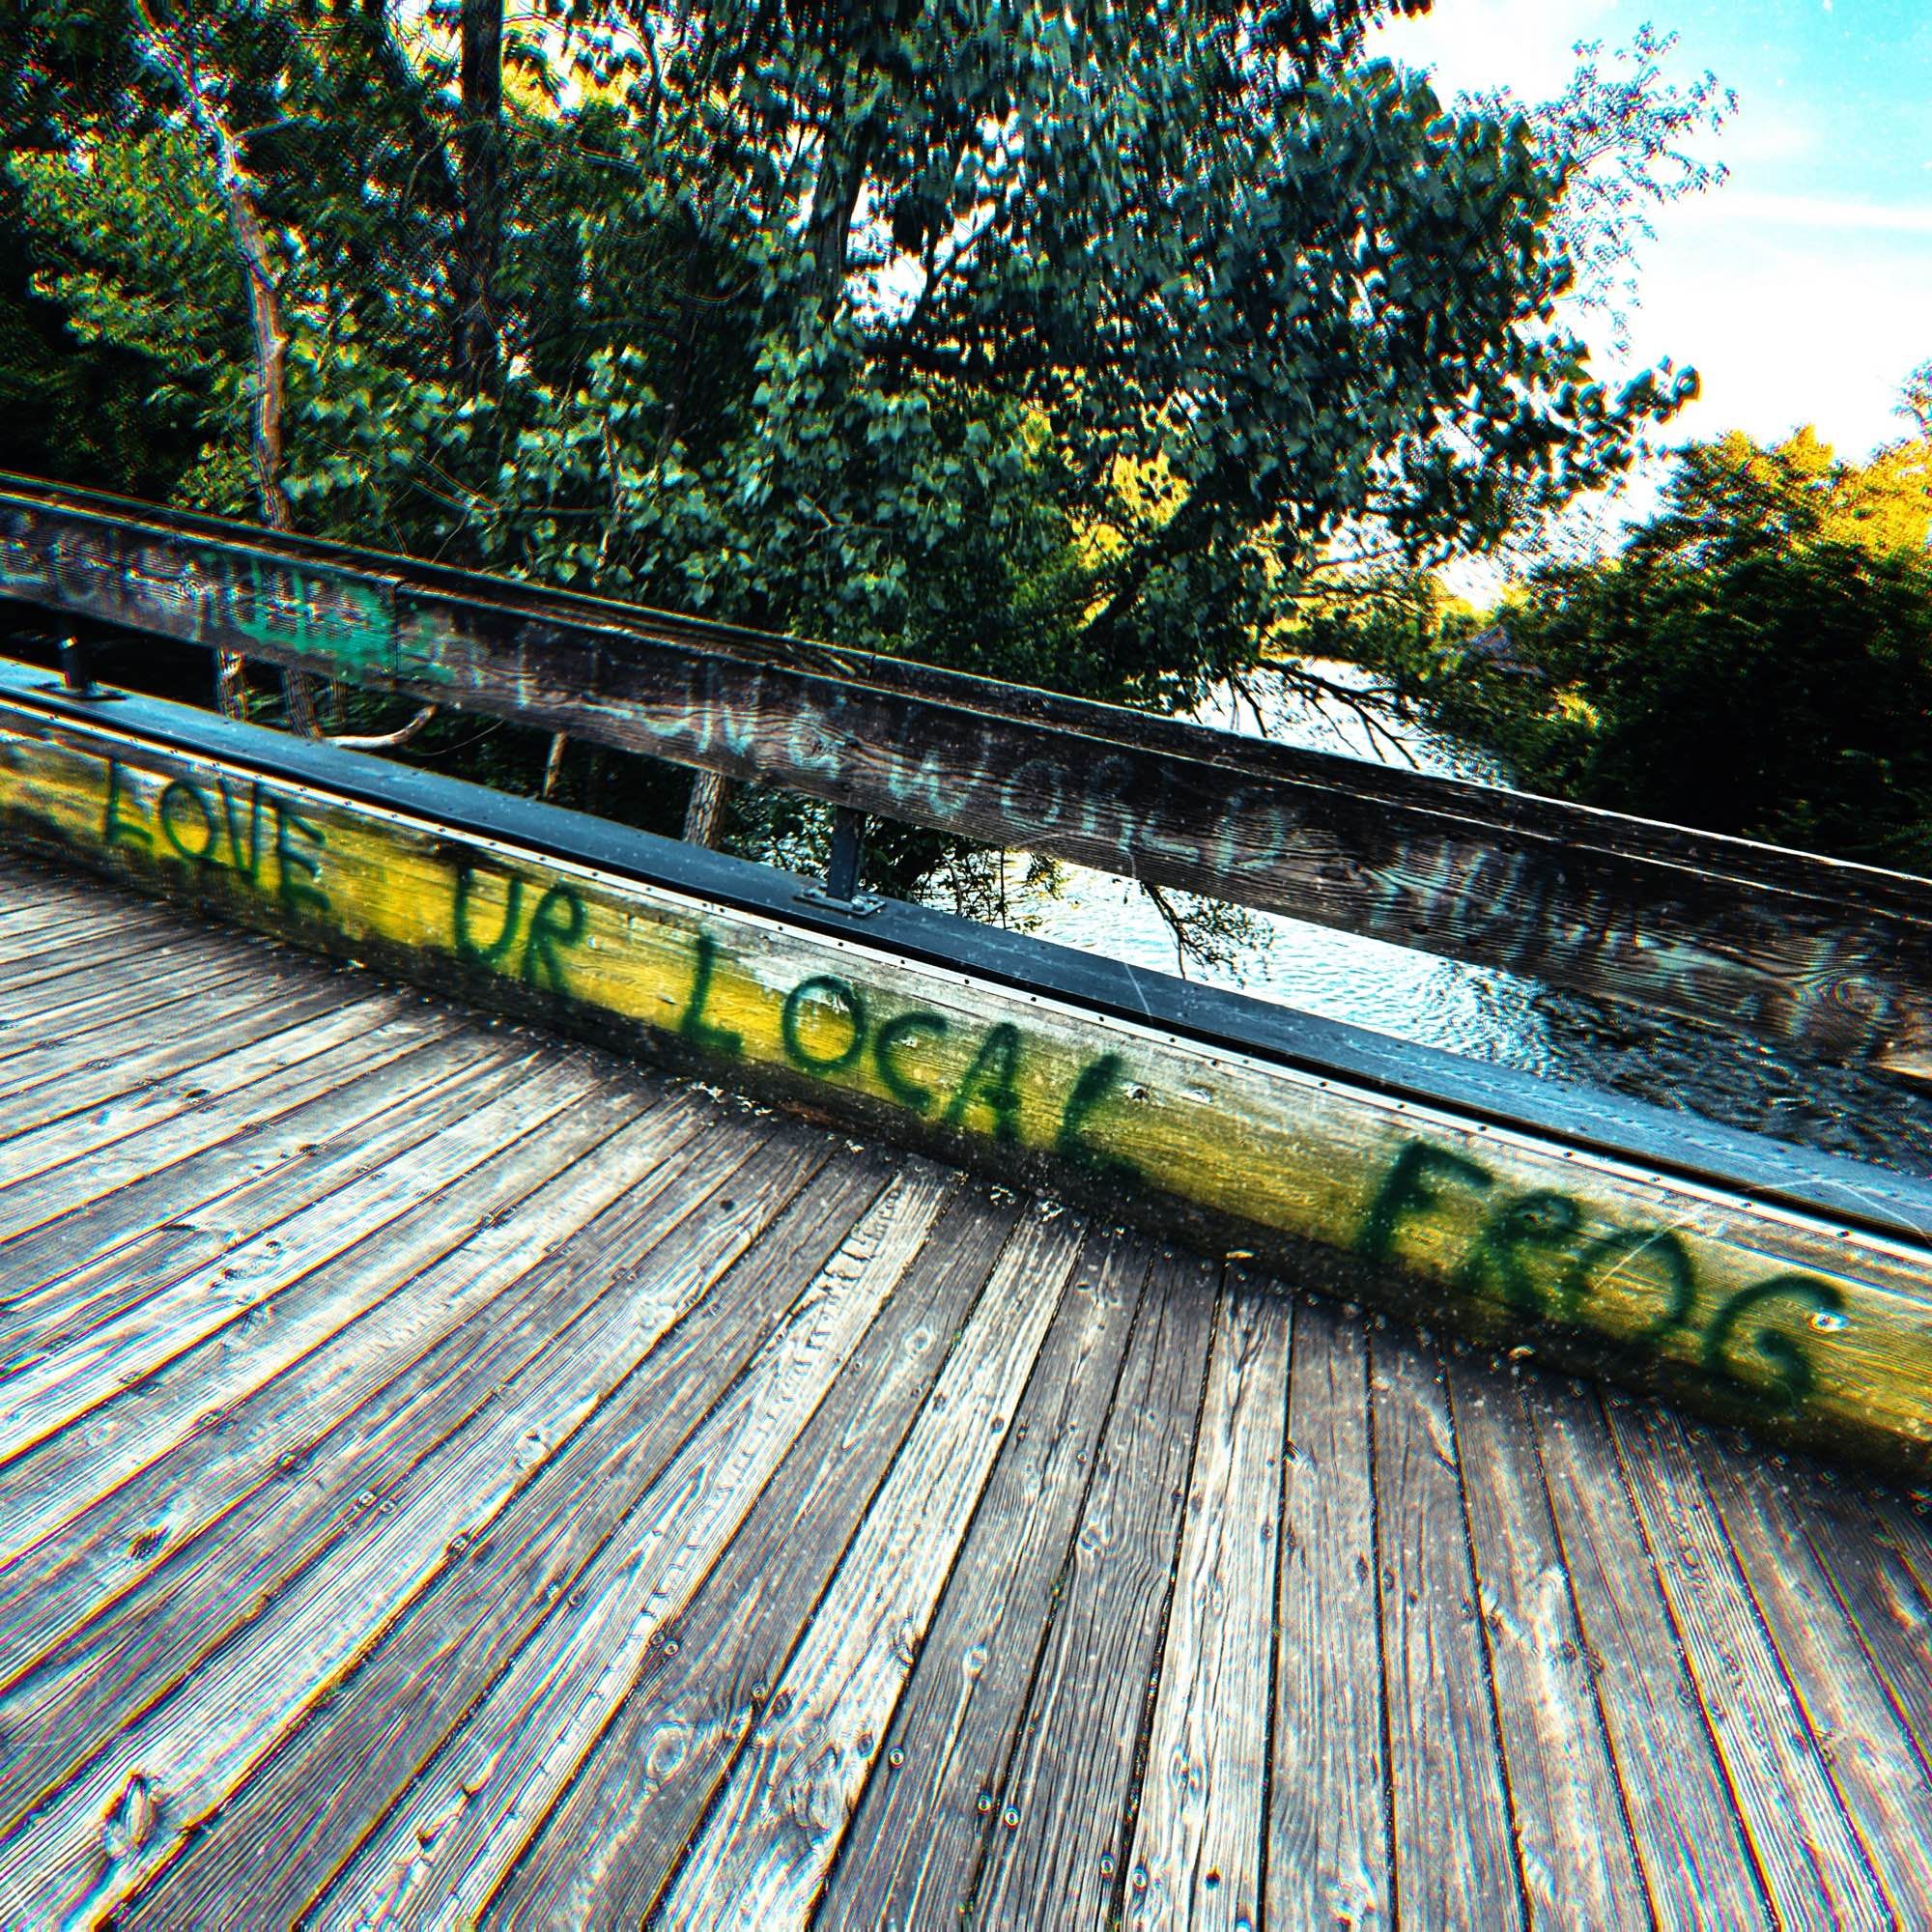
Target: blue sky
{"points": [[1801, 290]]}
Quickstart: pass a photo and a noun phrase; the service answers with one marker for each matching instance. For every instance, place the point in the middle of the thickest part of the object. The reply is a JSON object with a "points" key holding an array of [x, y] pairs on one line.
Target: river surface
{"points": [[1482, 1011]]}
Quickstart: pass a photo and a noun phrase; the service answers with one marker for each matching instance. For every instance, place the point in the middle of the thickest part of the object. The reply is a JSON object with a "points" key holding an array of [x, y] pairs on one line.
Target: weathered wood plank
{"points": [[1807, 1851], [200, 1531], [208, 992], [103, 1347], [77, 1159], [1198, 1850], [256, 1055], [85, 1362], [439, 1852], [1875, 1556], [1798, 947], [188, 1756], [155, 1207], [1069, 1787], [1573, 1838], [88, 1267], [96, 1023], [1698, 1867], [606, 1848], [915, 1841], [26, 979], [1455, 1839], [779, 1817], [445, 1662], [1329, 1831], [1618, 1266], [1874, 1760], [77, 1086]]}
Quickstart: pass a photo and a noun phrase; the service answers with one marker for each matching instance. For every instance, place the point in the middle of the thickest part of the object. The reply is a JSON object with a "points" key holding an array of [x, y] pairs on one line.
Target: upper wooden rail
{"points": [[1831, 958]]}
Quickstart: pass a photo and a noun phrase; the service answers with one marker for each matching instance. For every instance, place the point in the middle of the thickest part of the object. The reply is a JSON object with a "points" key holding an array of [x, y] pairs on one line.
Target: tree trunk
{"points": [[480, 143], [267, 327]]}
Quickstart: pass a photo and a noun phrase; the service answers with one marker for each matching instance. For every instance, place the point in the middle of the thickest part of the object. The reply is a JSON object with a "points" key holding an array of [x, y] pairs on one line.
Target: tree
{"points": [[853, 320], [1758, 660]]}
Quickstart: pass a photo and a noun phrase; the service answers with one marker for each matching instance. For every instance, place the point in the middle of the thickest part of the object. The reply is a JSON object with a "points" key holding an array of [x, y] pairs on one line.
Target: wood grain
{"points": [[192, 1541], [122, 1244], [192, 1753], [462, 1638], [910, 1854], [1563, 1780], [76, 1275], [438, 1855], [1329, 1831], [82, 1367], [608, 1845], [1455, 1833], [1807, 1850], [1698, 1868], [778, 1819], [1874, 1760], [1198, 1850], [1072, 1780]]}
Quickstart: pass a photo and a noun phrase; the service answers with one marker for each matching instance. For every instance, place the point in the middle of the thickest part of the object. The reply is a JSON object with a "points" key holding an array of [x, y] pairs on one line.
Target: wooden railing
{"points": [[1832, 959]]}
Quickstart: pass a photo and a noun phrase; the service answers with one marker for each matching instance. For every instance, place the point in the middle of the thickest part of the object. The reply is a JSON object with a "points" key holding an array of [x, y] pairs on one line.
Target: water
{"points": [[1481, 1012]]}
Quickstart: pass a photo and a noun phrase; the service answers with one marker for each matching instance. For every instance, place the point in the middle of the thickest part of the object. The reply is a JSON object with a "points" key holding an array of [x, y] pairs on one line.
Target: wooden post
{"points": [[705, 813]]}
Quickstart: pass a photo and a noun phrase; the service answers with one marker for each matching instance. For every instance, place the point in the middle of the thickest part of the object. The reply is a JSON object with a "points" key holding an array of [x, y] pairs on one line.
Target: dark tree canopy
{"points": [[1053, 342]]}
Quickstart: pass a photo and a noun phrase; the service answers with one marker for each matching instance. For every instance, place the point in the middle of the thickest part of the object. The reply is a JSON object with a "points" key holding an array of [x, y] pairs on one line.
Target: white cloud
{"points": [[1474, 46]]}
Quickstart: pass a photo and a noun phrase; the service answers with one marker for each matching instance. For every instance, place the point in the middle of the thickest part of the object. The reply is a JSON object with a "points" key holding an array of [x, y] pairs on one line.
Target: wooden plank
{"points": [[232, 1005], [156, 1207], [455, 1662], [106, 1618], [1875, 1556], [909, 1856], [442, 1849], [1874, 1760], [92, 1021], [778, 1819], [87, 983], [441, 1660], [1697, 1863], [36, 893], [1578, 1867], [76, 1273], [1456, 1858], [189, 1755], [1069, 1786], [608, 1846], [1807, 1851], [1329, 1830], [77, 1159], [87, 1353], [1198, 1850], [35, 925], [26, 979], [1782, 944], [1635, 1269]]}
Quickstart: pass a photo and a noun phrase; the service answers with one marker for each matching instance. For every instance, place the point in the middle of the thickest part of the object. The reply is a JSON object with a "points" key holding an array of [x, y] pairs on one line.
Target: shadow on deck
{"points": [[452, 1475]]}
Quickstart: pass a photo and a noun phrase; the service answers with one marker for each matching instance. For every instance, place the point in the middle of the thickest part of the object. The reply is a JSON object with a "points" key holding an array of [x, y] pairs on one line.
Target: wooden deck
{"points": [[448, 1476]]}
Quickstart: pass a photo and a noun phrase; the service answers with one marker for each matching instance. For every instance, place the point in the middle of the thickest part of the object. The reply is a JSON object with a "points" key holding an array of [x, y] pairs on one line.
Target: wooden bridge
{"points": [[907, 1424]]}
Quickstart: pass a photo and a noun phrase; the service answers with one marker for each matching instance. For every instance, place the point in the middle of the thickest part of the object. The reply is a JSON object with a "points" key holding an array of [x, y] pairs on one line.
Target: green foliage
{"points": [[852, 322], [1759, 658]]}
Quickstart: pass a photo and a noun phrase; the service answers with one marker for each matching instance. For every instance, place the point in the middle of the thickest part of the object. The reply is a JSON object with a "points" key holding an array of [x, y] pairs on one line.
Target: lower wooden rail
{"points": [[1790, 1293]]}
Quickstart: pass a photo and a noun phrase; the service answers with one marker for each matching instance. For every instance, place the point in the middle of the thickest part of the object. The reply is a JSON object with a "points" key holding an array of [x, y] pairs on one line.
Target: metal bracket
{"points": [[76, 663], [861, 905], [841, 887]]}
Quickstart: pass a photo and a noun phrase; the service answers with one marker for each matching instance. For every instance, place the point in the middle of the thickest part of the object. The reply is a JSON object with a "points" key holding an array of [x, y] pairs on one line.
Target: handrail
{"points": [[1831, 958]]}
